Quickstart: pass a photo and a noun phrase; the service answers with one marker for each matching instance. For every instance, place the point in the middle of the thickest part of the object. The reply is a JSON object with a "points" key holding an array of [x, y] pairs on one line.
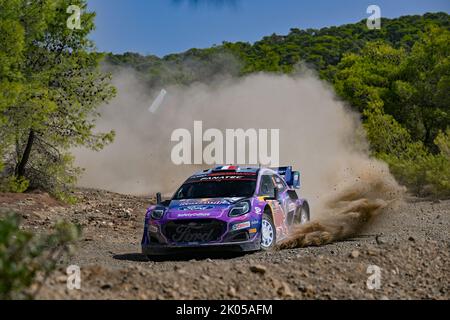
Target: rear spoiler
{"points": [[292, 178]]}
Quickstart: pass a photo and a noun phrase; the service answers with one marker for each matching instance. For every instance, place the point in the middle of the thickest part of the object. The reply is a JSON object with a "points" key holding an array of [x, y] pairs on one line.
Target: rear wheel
{"points": [[302, 215], [268, 232]]}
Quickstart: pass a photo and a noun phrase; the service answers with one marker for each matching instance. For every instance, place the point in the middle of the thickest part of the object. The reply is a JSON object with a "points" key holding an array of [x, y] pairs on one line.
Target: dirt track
{"points": [[410, 245]]}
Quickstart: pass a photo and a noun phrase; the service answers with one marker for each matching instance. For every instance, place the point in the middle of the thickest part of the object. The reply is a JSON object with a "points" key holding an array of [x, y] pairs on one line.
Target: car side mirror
{"points": [[275, 195], [166, 203], [158, 198]]}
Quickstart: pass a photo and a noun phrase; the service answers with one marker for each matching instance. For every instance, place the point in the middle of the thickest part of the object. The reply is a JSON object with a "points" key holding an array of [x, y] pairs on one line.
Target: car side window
{"points": [[266, 187], [280, 184]]}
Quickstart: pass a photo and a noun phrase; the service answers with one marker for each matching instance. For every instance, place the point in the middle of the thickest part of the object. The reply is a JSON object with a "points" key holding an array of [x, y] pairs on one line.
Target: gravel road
{"points": [[408, 247]]}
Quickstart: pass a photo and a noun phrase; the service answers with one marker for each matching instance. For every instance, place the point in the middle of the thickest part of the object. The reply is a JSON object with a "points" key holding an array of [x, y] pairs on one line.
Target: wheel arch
{"points": [[268, 210]]}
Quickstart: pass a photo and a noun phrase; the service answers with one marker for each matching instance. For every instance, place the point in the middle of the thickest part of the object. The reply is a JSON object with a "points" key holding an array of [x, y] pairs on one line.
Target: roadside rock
{"points": [[285, 291], [257, 268]]}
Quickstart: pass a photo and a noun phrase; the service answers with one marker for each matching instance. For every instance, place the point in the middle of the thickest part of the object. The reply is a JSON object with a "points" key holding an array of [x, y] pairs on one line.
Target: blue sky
{"points": [[161, 27]]}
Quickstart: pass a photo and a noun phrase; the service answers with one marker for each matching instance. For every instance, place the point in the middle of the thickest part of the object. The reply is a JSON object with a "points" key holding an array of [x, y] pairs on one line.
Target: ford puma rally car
{"points": [[226, 208]]}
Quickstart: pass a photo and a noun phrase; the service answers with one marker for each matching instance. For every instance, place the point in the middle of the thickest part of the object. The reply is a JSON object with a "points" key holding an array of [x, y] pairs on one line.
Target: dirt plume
{"points": [[318, 134], [350, 208]]}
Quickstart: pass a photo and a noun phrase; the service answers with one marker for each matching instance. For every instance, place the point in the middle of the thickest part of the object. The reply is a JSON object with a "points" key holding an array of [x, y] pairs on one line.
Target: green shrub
{"points": [[443, 142], [24, 255], [57, 177], [14, 184], [424, 173]]}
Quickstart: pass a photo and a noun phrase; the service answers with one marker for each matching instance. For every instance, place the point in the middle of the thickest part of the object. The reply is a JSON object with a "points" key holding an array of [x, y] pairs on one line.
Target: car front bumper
{"points": [[153, 249]]}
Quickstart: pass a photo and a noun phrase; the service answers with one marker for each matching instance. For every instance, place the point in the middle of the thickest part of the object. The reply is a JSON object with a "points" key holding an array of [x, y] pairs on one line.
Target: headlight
{"points": [[157, 214], [240, 209]]}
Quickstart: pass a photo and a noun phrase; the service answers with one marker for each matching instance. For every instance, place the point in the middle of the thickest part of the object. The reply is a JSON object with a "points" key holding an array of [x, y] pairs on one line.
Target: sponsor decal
{"points": [[250, 174], [201, 202], [258, 210], [193, 214], [184, 204], [255, 222], [196, 207], [221, 176], [241, 225]]}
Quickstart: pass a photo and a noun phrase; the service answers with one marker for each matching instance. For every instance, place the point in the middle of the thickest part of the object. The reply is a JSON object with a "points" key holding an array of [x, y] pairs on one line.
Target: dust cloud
{"points": [[319, 136], [350, 207]]}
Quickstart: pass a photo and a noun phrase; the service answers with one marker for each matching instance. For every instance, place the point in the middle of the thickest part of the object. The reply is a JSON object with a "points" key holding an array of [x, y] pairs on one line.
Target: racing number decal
{"points": [[268, 183]]}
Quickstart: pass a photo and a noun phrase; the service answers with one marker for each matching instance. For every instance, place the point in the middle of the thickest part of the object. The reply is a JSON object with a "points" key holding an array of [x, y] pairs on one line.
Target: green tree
{"points": [[424, 86], [413, 86], [11, 53], [410, 161], [321, 49], [403, 97], [62, 86], [365, 79]]}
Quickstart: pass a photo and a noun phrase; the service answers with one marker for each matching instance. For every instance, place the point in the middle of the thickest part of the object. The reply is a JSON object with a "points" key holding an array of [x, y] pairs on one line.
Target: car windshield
{"points": [[217, 188]]}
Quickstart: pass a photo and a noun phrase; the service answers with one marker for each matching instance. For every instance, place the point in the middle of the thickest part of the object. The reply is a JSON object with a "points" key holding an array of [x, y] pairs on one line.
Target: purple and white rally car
{"points": [[226, 208]]}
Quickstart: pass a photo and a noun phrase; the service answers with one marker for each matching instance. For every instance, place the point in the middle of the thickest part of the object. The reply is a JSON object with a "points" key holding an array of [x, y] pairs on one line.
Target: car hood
{"points": [[200, 208]]}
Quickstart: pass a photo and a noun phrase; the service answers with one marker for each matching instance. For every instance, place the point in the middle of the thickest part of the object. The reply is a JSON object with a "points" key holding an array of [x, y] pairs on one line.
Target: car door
{"points": [[286, 203], [268, 183]]}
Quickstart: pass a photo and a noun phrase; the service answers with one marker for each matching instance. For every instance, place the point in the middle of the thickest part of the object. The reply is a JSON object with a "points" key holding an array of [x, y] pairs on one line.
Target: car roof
{"points": [[237, 169]]}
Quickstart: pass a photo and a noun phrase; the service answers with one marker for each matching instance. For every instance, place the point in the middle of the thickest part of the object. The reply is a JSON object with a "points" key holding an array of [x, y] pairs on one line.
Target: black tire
{"points": [[156, 258], [302, 211], [267, 217]]}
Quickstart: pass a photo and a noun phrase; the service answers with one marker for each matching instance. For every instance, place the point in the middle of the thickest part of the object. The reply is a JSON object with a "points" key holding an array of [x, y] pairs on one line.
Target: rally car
{"points": [[227, 208]]}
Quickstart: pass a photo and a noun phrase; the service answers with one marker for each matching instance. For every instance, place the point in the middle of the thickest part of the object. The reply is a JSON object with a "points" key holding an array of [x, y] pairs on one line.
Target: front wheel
{"points": [[268, 232]]}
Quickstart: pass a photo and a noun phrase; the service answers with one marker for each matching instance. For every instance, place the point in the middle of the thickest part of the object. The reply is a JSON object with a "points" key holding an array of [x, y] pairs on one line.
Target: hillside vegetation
{"points": [[397, 78]]}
